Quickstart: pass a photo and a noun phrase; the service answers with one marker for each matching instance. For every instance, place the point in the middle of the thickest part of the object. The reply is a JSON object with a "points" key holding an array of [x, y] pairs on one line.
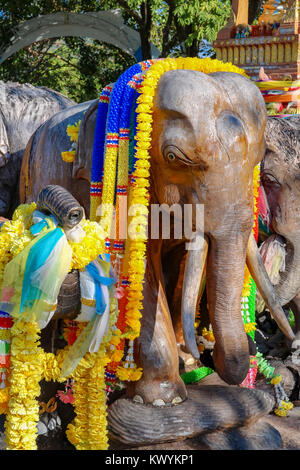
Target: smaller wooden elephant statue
{"points": [[280, 178]]}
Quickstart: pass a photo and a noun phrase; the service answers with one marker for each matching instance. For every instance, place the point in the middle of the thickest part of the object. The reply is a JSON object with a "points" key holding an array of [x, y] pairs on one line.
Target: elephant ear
{"points": [[84, 151], [247, 101], [4, 143], [283, 138]]}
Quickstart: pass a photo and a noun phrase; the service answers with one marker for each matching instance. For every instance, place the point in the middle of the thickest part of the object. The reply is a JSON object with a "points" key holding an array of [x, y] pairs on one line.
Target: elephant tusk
{"points": [[258, 272], [191, 284]]}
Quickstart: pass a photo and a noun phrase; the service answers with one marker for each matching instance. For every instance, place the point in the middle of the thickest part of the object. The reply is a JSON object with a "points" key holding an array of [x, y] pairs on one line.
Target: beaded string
{"points": [[6, 322], [98, 152], [112, 146]]}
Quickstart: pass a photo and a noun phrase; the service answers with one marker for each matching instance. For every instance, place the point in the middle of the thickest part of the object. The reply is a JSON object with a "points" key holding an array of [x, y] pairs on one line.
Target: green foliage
{"points": [[291, 318], [204, 17], [76, 67], [80, 67]]}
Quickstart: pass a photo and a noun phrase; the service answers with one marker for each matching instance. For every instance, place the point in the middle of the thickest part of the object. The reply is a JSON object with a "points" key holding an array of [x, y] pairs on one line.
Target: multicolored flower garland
{"points": [[249, 287]]}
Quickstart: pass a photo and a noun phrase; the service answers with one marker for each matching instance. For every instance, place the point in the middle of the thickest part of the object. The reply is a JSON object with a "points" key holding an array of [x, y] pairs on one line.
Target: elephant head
{"points": [[208, 135], [280, 176]]}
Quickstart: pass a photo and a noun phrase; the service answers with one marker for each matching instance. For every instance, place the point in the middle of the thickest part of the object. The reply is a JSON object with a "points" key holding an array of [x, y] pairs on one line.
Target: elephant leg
{"points": [[155, 350], [173, 270]]}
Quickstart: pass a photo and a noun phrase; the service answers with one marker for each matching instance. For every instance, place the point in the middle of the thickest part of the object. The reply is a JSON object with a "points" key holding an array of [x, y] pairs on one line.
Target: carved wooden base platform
{"points": [[259, 436], [208, 409]]}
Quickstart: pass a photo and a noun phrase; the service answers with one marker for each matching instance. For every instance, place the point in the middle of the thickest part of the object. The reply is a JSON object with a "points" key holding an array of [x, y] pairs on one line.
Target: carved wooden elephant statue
{"points": [[208, 135], [280, 182], [23, 108]]}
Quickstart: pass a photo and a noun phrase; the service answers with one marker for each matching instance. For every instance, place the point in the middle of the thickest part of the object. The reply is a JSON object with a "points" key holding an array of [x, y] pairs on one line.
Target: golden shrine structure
{"points": [[268, 51], [273, 43]]}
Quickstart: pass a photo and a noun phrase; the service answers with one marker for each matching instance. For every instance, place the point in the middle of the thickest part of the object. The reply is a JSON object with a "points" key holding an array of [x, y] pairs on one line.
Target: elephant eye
{"points": [[268, 180], [171, 156]]}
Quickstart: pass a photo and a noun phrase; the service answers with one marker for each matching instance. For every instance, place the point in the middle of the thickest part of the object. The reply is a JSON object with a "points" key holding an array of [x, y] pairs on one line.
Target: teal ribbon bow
{"points": [[98, 280]]}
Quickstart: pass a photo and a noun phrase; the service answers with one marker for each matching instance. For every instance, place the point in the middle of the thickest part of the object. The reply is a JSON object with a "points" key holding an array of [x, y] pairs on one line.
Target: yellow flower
{"points": [[249, 327], [276, 379], [127, 374], [68, 156], [208, 335], [280, 412], [287, 405], [29, 363], [73, 131], [117, 355]]}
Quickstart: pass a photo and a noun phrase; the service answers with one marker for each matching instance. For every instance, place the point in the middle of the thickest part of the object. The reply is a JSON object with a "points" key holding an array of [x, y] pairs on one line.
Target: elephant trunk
{"points": [[224, 281], [289, 284], [225, 275], [261, 278]]}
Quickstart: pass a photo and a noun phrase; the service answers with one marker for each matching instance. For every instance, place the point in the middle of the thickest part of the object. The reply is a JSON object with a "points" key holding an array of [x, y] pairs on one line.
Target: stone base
{"points": [[208, 409], [260, 436]]}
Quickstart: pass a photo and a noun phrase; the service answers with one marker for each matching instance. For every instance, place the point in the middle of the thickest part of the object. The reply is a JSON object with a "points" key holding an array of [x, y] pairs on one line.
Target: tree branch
{"points": [[167, 45], [145, 29], [63, 60], [131, 12], [39, 56]]}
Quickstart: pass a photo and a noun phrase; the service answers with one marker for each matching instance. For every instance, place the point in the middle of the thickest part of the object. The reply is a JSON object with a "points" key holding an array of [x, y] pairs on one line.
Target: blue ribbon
{"points": [[38, 227], [98, 280], [38, 255]]}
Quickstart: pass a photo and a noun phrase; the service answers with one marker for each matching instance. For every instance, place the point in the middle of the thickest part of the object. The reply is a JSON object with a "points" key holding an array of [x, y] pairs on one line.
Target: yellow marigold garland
{"points": [[15, 236], [249, 288], [256, 178], [89, 248], [73, 131], [26, 373], [88, 431], [97, 437]]}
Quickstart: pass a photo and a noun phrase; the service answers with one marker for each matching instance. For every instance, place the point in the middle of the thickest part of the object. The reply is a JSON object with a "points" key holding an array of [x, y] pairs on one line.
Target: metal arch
{"points": [[107, 26]]}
